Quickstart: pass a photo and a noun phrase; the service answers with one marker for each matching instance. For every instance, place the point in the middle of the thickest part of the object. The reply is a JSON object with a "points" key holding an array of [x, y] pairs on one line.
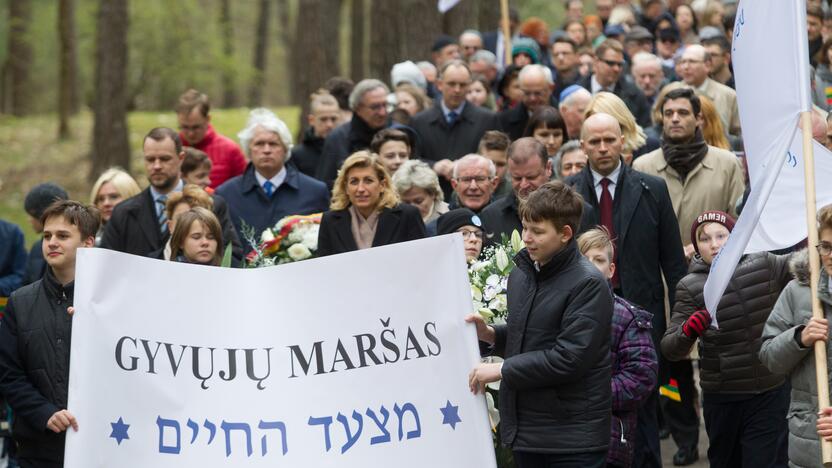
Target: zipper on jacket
{"points": [[621, 423]]}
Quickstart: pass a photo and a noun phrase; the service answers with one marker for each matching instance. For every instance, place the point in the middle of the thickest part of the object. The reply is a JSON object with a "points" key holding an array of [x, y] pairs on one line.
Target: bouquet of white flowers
{"points": [[292, 239], [489, 278]]}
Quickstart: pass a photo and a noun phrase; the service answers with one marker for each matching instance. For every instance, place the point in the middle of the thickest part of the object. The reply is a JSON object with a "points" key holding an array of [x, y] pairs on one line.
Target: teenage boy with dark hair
{"points": [[555, 394], [35, 339]]}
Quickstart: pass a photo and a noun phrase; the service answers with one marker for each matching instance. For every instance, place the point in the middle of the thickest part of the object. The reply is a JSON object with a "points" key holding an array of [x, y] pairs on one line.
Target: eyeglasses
{"points": [[376, 107], [668, 40], [690, 61], [824, 248], [477, 180], [466, 234], [613, 63]]}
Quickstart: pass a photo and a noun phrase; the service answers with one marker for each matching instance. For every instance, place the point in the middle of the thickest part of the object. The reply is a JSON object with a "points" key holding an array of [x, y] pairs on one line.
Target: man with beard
{"points": [[139, 225], [699, 178]]}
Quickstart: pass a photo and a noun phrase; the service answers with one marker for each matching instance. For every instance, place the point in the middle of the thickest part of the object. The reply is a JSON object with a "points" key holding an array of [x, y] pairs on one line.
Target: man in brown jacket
{"points": [[699, 177]]}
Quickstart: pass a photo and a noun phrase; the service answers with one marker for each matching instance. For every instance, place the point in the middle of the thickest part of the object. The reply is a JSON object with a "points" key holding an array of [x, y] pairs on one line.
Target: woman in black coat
{"points": [[365, 210]]}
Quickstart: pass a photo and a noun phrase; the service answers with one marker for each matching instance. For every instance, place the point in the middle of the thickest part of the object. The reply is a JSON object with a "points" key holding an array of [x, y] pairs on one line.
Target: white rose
{"points": [[310, 239], [267, 236], [298, 252], [479, 266]]}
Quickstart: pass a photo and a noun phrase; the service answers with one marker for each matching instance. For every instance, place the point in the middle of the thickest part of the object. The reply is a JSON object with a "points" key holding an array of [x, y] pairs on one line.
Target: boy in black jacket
{"points": [[555, 394], [35, 339]]}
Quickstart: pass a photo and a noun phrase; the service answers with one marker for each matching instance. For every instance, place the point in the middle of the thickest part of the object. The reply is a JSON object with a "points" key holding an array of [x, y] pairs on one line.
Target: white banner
{"points": [[354, 360], [771, 67]]}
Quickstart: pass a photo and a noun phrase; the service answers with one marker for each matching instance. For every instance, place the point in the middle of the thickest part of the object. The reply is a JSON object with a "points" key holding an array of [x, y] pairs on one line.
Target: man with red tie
{"points": [[637, 211]]}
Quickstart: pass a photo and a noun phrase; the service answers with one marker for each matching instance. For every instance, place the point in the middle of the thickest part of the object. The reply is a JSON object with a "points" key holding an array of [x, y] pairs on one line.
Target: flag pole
{"points": [[504, 22], [821, 371]]}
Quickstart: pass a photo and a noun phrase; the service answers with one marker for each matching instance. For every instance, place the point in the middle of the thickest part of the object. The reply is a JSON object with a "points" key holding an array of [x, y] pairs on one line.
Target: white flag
{"points": [[445, 5], [771, 66]]}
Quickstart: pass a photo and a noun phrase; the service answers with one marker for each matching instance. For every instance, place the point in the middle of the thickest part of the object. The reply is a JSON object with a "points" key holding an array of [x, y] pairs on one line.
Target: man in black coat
{"points": [[139, 224], [637, 211], [324, 116], [555, 393], [35, 338], [607, 76], [368, 101], [453, 128], [537, 85], [529, 168]]}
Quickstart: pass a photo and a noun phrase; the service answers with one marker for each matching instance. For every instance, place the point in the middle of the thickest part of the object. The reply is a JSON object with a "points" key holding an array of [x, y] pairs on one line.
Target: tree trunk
{"points": [[459, 18], [110, 144], [357, 41], [20, 56], [403, 30], [315, 49], [67, 90], [255, 95], [229, 96], [489, 15]]}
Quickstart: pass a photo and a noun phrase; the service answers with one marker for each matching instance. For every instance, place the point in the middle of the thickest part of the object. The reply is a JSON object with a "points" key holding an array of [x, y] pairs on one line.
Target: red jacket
{"points": [[227, 160]]}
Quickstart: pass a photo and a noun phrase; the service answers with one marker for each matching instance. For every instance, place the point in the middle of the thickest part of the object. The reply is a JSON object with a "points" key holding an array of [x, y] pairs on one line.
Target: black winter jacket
{"points": [[307, 155], [34, 363], [555, 394], [729, 361]]}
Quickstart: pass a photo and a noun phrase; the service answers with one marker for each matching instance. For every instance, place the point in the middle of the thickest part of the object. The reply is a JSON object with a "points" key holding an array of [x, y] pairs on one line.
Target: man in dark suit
{"points": [[454, 127], [368, 101], [537, 84], [637, 211], [139, 224], [269, 189], [529, 167], [493, 40], [607, 76]]}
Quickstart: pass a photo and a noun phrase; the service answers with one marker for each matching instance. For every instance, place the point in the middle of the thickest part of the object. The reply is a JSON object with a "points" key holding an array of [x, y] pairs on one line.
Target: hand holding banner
{"points": [[355, 360]]}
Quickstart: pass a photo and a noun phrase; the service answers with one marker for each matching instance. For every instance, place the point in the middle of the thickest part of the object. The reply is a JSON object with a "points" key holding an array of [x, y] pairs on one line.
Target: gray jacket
{"points": [[782, 353]]}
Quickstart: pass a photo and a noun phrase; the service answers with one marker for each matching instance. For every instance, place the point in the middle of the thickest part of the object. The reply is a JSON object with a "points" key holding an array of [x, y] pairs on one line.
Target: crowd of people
{"points": [[612, 142]]}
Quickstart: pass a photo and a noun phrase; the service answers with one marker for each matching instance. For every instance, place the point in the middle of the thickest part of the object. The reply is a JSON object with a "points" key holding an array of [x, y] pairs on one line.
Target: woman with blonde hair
{"points": [[112, 187], [712, 129], [635, 141], [197, 238], [365, 210], [411, 99]]}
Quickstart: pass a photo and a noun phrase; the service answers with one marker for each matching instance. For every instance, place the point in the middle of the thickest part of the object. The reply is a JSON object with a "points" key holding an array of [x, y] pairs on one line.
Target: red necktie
{"points": [[606, 219]]}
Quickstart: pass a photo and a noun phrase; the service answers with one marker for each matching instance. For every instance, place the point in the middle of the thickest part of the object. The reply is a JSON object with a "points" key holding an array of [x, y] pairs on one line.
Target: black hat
{"points": [[441, 42], [455, 219], [41, 196]]}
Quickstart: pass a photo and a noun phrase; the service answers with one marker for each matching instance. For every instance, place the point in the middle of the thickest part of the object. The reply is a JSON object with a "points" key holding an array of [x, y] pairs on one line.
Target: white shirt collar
{"points": [[613, 177], [596, 86], [277, 180], [446, 111]]}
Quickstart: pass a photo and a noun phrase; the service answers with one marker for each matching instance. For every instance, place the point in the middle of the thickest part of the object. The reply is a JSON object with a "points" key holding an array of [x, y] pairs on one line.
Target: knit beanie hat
{"points": [[407, 72], [719, 217], [455, 219], [528, 46], [41, 196]]}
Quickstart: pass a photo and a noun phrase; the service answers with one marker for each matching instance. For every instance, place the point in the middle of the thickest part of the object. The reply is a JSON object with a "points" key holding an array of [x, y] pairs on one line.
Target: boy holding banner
{"points": [[35, 339], [555, 394]]}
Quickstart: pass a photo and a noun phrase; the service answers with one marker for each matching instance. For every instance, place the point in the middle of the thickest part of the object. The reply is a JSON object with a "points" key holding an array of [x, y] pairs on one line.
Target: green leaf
{"points": [[226, 258]]}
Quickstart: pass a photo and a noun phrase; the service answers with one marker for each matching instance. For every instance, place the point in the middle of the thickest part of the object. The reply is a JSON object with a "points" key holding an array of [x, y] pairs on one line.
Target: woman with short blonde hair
{"points": [[111, 188], [609, 103], [365, 210]]}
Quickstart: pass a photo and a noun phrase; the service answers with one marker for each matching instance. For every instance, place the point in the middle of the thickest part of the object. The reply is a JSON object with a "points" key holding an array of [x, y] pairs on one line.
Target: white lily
{"points": [[517, 243]]}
